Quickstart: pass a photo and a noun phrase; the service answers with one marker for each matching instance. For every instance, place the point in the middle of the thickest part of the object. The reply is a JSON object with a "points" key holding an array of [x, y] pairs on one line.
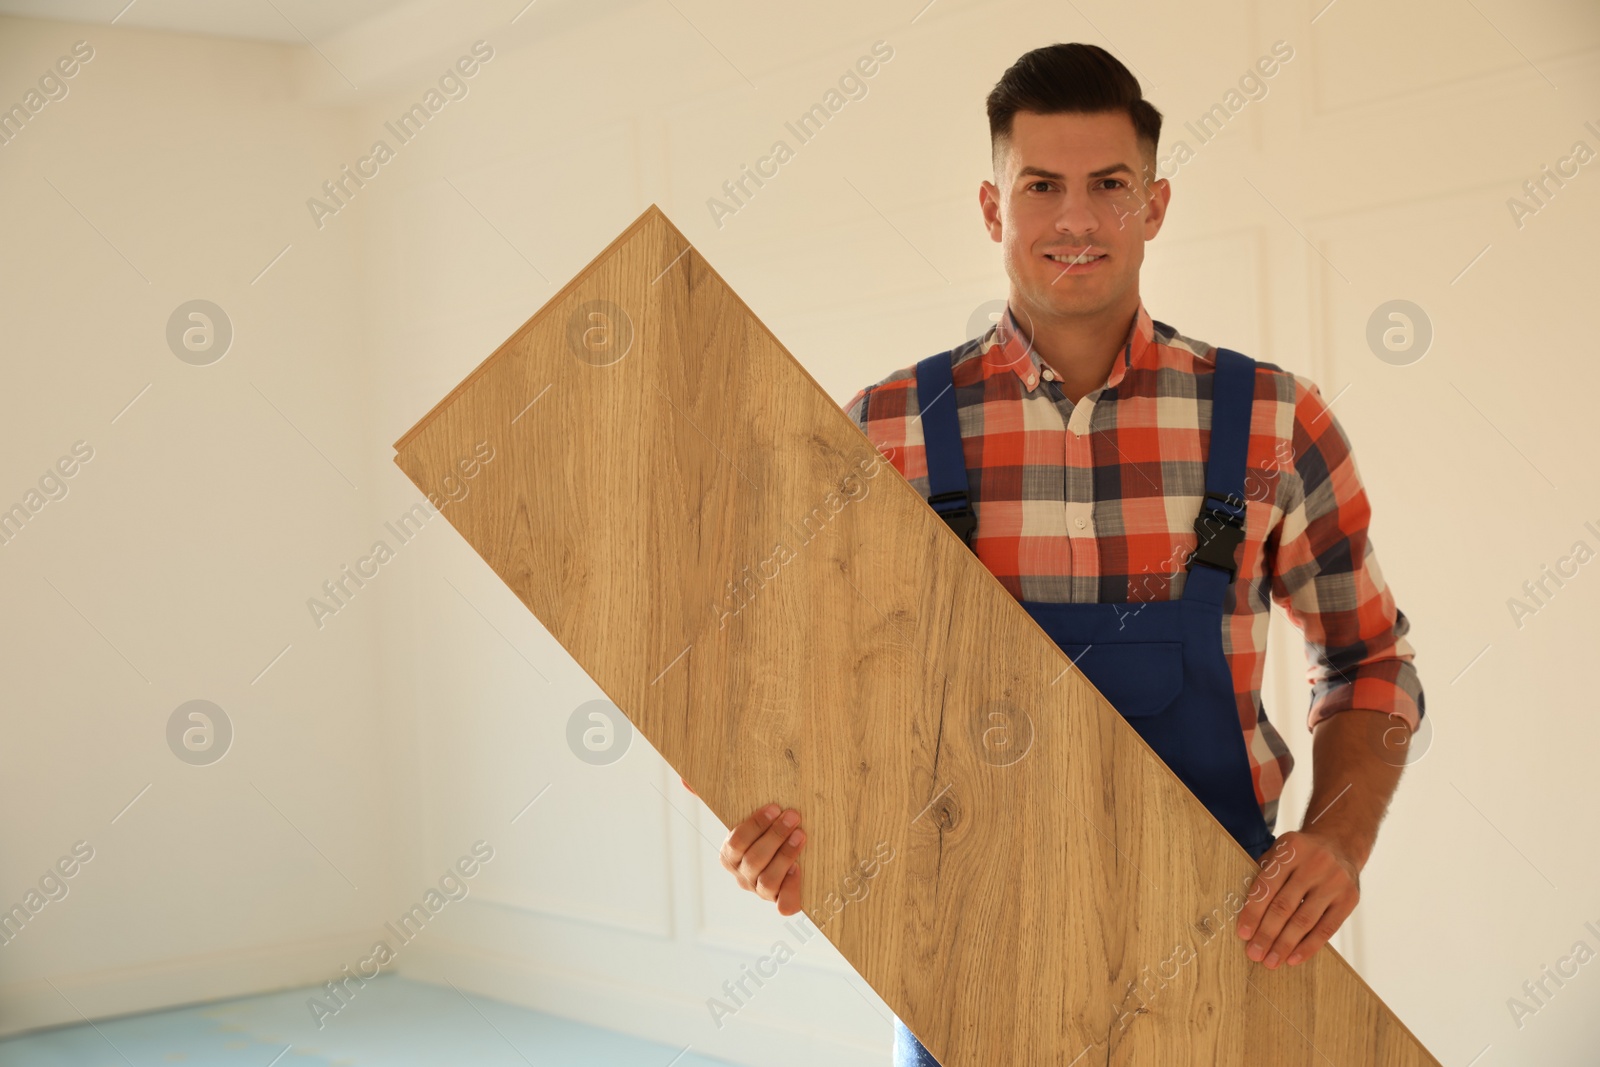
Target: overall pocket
{"points": [[1139, 678]]}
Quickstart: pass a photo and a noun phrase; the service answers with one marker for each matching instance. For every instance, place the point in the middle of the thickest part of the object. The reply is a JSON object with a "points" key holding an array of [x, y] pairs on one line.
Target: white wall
{"points": [[178, 564], [428, 713]]}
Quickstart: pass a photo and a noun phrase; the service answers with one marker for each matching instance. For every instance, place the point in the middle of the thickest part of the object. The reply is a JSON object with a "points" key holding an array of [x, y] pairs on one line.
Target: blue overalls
{"points": [[1160, 663]]}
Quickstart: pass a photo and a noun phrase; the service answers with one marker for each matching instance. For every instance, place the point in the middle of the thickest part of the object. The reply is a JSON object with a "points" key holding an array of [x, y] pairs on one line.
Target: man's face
{"points": [[1070, 184]]}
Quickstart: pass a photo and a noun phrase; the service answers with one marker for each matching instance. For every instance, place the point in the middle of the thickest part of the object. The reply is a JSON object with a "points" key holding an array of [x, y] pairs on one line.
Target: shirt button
{"points": [[1049, 375], [1080, 522]]}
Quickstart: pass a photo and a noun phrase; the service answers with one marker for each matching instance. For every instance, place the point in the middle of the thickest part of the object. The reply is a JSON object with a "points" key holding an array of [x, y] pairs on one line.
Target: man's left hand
{"points": [[1307, 888]]}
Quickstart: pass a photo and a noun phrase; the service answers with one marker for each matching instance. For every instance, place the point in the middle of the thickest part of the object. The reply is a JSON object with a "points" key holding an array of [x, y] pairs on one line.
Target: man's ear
{"points": [[989, 206], [1162, 191], [1157, 196]]}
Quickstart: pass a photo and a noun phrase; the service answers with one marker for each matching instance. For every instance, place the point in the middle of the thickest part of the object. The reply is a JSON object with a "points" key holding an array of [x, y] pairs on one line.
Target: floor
{"points": [[395, 1022]]}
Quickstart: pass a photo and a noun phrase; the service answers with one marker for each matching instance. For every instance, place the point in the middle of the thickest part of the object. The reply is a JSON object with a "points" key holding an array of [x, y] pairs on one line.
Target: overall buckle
{"points": [[961, 518], [1220, 533]]}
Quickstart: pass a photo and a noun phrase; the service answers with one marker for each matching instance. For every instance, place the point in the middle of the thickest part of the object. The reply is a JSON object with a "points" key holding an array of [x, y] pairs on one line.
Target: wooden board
{"points": [[778, 611]]}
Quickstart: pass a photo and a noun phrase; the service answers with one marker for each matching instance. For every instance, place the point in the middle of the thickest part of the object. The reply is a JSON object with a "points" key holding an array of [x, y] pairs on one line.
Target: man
{"points": [[1145, 496]]}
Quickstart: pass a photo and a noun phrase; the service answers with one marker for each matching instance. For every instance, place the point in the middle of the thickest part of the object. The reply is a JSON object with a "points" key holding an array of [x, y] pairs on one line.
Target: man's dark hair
{"points": [[1082, 78]]}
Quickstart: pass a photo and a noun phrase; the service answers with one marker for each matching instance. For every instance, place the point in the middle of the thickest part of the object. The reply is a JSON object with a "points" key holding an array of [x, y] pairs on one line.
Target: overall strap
{"points": [[941, 435], [1220, 525]]}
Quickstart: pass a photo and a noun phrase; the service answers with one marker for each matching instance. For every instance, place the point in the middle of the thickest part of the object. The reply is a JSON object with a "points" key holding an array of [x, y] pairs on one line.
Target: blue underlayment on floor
{"points": [[390, 1022]]}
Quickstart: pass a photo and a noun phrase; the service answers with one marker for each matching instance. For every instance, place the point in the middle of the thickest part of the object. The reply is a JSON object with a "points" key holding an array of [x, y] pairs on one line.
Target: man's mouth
{"points": [[1077, 259]]}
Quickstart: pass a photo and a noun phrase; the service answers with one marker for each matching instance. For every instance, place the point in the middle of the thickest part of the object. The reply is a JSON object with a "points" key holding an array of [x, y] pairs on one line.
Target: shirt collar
{"points": [[1010, 347]]}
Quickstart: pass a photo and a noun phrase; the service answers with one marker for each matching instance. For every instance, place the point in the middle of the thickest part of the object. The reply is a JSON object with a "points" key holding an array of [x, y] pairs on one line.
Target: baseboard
{"points": [[177, 982]]}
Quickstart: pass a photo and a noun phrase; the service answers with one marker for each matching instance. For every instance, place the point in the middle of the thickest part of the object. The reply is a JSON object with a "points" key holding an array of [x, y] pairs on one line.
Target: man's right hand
{"points": [[761, 854]]}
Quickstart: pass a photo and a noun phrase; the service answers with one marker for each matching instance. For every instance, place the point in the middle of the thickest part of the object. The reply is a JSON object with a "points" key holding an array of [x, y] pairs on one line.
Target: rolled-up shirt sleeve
{"points": [[1325, 575]]}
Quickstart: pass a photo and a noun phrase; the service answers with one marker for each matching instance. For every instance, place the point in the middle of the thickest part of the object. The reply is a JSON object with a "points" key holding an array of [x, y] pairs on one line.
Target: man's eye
{"points": [[1032, 184], [1116, 181]]}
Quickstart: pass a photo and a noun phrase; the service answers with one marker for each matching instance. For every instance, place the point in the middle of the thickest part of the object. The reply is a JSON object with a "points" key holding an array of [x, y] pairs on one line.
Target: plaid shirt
{"points": [[1095, 502]]}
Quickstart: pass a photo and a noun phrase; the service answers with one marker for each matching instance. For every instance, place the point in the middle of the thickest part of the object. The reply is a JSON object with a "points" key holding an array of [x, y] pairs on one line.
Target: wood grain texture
{"points": [[778, 611]]}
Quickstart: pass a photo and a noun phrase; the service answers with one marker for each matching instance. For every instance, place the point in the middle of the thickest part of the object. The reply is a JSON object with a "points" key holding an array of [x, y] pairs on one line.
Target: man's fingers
{"points": [[789, 892], [761, 852], [1310, 911], [1262, 891], [1284, 903], [744, 835], [686, 784], [769, 876], [759, 856], [1326, 927]]}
